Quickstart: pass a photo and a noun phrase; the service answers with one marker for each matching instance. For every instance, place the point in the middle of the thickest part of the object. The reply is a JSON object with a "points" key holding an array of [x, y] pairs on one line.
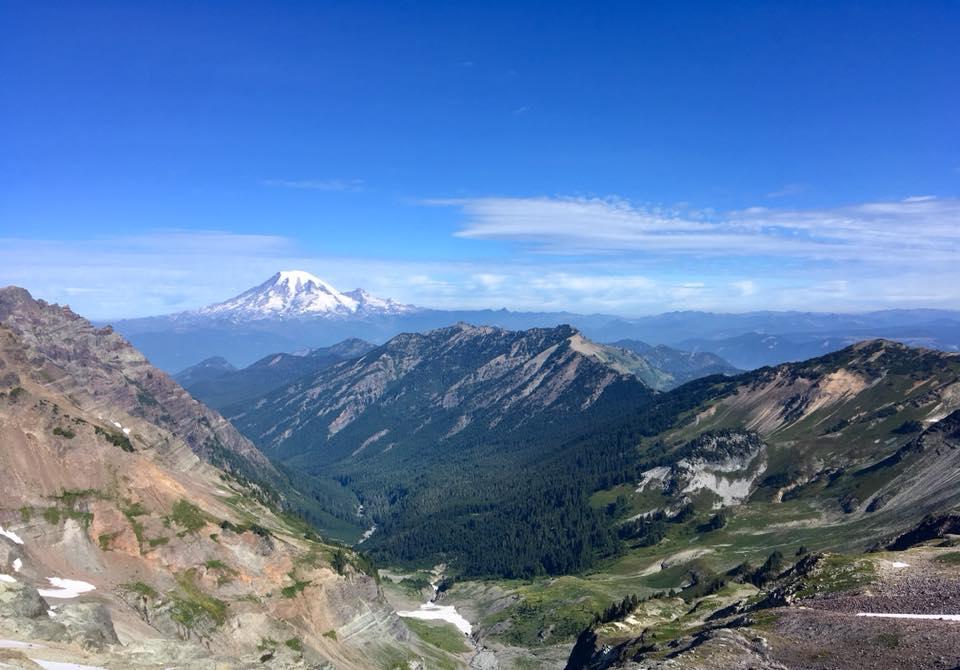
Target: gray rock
{"points": [[21, 600], [484, 660], [9, 552], [89, 624]]}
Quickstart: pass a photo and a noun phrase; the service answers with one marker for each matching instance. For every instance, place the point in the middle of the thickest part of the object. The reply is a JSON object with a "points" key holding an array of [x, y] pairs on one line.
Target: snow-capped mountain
{"points": [[299, 294]]}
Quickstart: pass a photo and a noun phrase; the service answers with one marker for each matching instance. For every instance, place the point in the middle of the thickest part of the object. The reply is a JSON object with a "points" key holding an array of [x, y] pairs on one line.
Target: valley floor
{"points": [[877, 610]]}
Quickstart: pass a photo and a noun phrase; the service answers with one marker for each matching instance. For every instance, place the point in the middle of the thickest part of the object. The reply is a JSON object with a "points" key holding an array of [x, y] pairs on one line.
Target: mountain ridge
{"points": [[451, 354], [250, 326]]}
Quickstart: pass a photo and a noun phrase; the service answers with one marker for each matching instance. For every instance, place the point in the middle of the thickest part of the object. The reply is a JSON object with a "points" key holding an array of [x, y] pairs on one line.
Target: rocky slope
{"points": [[123, 544], [842, 427], [803, 611], [843, 452], [99, 370], [434, 386], [430, 431]]}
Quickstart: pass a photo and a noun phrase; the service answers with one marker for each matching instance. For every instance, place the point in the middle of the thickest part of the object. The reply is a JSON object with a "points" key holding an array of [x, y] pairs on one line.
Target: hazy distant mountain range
{"points": [[217, 384], [294, 310], [512, 457]]}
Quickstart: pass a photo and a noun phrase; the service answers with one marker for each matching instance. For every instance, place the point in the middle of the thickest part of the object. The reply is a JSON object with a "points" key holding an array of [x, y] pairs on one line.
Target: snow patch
{"points": [[932, 617], [11, 535], [17, 644], [430, 610], [65, 588], [58, 665], [17, 564], [8, 579], [900, 564], [448, 613]]}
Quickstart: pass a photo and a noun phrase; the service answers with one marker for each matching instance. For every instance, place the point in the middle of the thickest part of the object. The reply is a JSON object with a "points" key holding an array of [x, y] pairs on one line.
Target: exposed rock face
{"points": [[773, 399], [21, 601], [121, 539], [102, 374], [877, 408], [728, 463], [870, 438]]}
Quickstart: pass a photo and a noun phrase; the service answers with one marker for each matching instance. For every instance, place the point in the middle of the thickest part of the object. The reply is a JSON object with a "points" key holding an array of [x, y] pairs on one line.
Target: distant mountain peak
{"points": [[371, 303], [300, 294]]}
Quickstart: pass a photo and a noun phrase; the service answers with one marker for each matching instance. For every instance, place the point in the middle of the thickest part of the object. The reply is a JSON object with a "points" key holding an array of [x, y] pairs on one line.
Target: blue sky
{"points": [[624, 157]]}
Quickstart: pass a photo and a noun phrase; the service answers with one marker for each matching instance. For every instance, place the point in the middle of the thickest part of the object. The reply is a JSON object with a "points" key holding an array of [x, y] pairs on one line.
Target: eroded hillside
{"points": [[124, 545]]}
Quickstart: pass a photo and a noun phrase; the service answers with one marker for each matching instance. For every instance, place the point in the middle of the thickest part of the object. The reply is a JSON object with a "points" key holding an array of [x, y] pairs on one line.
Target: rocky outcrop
{"points": [[728, 463], [103, 374]]}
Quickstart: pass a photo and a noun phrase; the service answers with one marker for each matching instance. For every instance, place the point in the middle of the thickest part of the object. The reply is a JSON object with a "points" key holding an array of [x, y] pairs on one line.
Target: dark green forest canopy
{"points": [[511, 503]]}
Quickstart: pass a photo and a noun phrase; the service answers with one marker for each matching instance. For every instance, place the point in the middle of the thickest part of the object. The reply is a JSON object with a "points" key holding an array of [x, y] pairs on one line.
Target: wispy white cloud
{"points": [[906, 231], [490, 280], [318, 184], [145, 273], [576, 254]]}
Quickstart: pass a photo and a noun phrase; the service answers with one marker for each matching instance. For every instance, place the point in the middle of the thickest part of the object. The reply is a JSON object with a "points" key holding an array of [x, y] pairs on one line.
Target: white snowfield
{"points": [[8, 579], [448, 613], [59, 665], [65, 588], [295, 293], [932, 617], [11, 535]]}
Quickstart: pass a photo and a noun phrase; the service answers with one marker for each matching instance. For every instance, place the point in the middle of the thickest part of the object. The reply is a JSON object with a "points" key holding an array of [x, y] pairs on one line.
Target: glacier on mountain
{"points": [[298, 294]]}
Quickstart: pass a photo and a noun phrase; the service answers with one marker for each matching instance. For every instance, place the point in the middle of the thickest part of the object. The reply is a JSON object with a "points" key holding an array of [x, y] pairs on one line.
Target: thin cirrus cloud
{"points": [[575, 254], [164, 271], [913, 230]]}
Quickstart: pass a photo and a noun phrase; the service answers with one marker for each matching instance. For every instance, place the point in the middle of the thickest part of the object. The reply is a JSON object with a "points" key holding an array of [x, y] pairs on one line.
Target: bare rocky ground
{"points": [[823, 631], [826, 633]]}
